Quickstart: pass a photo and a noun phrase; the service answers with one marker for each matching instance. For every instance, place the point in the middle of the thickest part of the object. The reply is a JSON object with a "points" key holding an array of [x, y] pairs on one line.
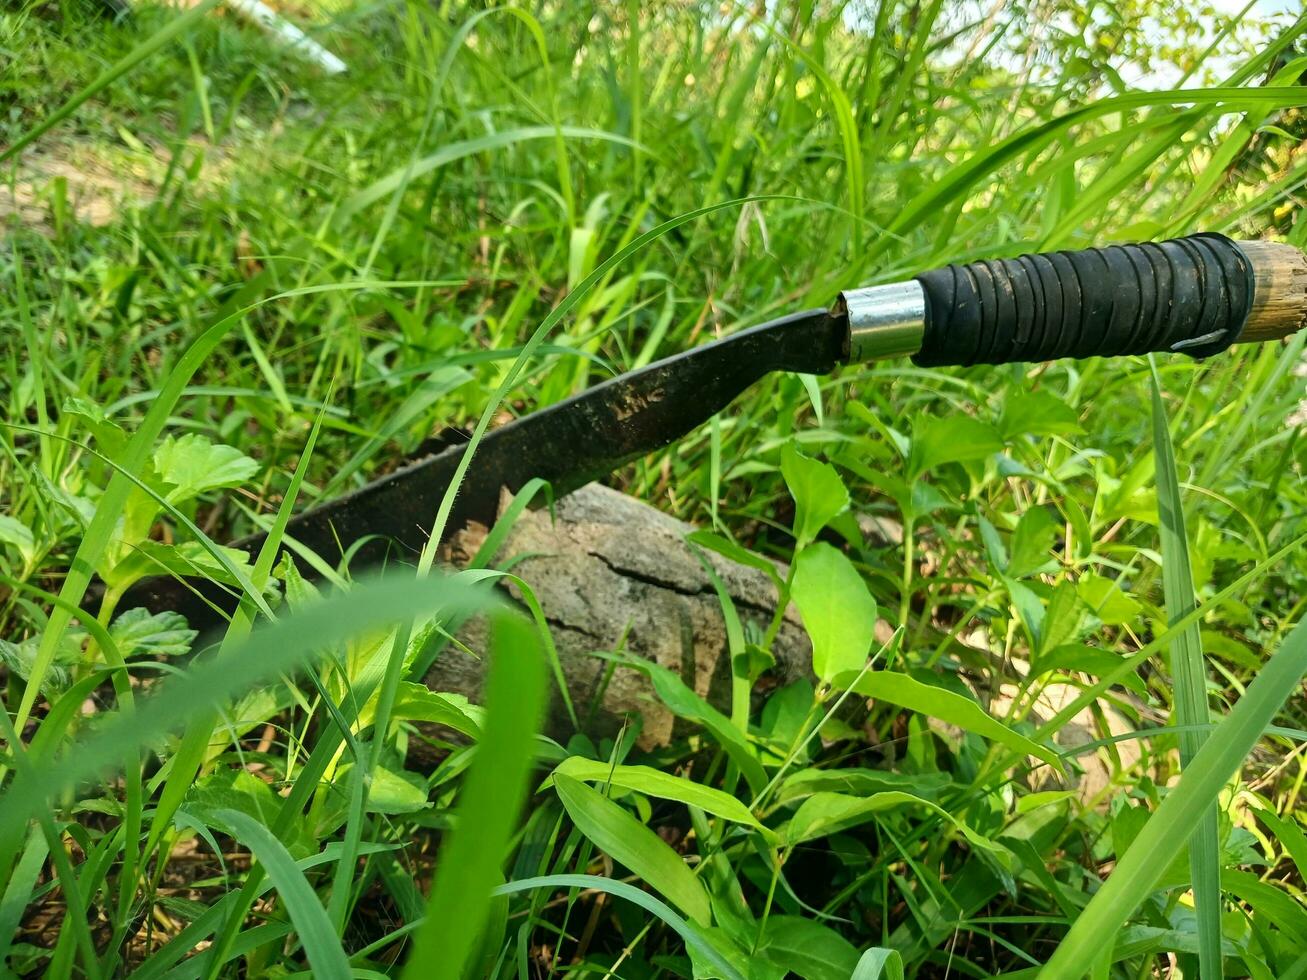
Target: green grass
{"points": [[495, 209]]}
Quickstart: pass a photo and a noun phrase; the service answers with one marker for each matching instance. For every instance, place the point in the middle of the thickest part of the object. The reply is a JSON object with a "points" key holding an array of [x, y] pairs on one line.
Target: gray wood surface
{"points": [[612, 572]]}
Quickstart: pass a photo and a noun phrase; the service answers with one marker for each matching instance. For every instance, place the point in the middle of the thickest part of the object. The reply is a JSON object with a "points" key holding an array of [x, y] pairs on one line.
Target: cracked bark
{"points": [[707, 589]]}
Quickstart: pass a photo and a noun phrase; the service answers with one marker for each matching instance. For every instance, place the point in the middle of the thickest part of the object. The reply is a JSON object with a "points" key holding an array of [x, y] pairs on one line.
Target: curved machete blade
{"points": [[568, 444]]}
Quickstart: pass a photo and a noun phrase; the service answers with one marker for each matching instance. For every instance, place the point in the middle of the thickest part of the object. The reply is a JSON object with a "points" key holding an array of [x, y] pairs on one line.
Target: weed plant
{"points": [[306, 277]]}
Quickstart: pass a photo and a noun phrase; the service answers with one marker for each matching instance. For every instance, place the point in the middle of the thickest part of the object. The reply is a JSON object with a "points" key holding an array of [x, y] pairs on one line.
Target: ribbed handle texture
{"points": [[1190, 295]]}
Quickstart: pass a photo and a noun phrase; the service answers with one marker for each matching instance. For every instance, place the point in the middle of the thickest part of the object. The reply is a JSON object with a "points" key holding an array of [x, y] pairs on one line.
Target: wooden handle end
{"points": [[1279, 293]]}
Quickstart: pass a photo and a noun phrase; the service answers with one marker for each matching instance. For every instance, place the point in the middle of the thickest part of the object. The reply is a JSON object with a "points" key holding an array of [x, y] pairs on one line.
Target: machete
{"points": [[1195, 295]]}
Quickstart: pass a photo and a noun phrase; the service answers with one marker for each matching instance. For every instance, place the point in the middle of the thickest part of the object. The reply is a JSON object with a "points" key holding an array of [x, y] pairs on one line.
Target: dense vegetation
{"points": [[301, 278]]}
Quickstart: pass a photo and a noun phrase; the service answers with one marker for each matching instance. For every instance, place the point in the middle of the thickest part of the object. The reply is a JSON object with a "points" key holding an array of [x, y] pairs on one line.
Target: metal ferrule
{"points": [[884, 321]]}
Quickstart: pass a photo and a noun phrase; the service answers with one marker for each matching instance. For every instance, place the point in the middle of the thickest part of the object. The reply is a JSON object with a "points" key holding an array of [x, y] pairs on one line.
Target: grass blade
{"points": [[450, 200], [1190, 672], [470, 861], [457, 151], [879, 963], [1132, 663], [267, 653], [149, 46], [109, 508], [966, 174], [1170, 827], [687, 931], [316, 935], [936, 702], [663, 785], [629, 842], [21, 884], [195, 744]]}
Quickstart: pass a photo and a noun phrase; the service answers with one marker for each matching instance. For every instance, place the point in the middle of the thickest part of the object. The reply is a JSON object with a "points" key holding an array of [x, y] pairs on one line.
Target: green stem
{"points": [[905, 592], [778, 858], [782, 603]]}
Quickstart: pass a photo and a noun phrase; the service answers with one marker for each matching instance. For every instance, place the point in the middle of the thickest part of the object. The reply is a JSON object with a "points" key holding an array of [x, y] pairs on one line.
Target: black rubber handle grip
{"points": [[1190, 295]]}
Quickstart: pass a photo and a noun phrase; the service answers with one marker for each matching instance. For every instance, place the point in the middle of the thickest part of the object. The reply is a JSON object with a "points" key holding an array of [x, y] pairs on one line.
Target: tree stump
{"points": [[612, 573]]}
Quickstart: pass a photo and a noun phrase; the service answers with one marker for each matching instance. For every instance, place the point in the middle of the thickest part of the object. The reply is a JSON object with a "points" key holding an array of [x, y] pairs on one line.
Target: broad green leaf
{"points": [[623, 838], [819, 493], [683, 702], [812, 386], [726, 955], [894, 487], [16, 533], [1125, 827], [70, 654], [300, 592], [1031, 543], [235, 789], [908, 692], [396, 792], [17, 894], [858, 782], [736, 553], [1289, 836], [995, 549], [227, 790], [664, 786], [1063, 620], [1270, 904], [109, 437], [192, 464], [1094, 661], [875, 421], [1036, 413], [925, 499], [19, 660], [190, 558], [838, 610], [1052, 797], [807, 948], [70, 509], [952, 439], [255, 708], [1106, 600], [730, 907], [313, 929], [138, 632], [785, 716], [1028, 607], [879, 963], [51, 736], [823, 814], [417, 702], [1140, 940]]}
